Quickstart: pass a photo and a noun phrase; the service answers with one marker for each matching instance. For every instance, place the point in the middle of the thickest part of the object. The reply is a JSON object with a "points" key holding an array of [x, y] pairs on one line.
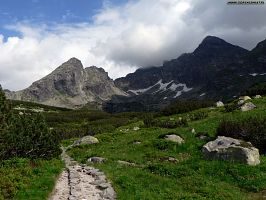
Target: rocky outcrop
{"points": [[226, 148], [70, 85]]}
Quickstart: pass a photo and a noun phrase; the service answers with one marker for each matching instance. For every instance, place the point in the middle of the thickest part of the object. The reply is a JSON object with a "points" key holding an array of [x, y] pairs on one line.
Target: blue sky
{"points": [[49, 11], [36, 36]]}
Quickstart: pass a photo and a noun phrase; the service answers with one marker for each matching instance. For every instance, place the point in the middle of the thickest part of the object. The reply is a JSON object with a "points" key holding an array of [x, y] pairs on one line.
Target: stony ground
{"points": [[80, 182]]}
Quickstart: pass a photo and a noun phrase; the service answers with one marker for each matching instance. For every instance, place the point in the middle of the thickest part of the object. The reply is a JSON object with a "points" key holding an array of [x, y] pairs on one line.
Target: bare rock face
{"points": [[226, 148], [70, 85]]}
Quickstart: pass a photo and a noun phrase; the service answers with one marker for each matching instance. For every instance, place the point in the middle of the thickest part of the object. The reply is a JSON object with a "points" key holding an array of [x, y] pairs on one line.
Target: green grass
{"points": [[23, 179], [191, 177]]}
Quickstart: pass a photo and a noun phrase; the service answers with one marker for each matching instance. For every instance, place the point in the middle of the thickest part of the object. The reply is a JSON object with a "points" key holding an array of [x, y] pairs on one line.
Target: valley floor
{"points": [[161, 169]]}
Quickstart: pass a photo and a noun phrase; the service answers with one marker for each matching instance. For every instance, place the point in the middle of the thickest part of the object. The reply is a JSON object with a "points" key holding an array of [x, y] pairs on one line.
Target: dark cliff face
{"points": [[215, 70], [211, 56]]}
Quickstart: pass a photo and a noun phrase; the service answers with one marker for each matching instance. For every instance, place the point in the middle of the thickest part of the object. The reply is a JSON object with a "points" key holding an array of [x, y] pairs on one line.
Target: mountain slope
{"points": [[215, 70], [70, 85]]}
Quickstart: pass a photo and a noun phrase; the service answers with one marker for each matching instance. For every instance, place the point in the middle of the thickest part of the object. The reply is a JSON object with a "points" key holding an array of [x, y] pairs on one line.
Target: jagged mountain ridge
{"points": [[70, 85], [215, 70]]}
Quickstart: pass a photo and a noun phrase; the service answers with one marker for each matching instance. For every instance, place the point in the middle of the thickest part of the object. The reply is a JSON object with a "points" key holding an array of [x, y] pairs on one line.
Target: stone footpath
{"points": [[80, 182]]}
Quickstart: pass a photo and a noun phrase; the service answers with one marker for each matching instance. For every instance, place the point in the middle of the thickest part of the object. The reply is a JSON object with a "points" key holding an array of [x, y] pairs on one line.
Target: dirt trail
{"points": [[81, 183]]}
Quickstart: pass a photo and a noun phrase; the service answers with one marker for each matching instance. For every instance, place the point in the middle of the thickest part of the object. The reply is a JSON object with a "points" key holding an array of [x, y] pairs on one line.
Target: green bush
{"points": [[231, 107], [29, 136], [257, 89], [151, 122], [251, 129], [185, 106], [25, 135], [198, 115]]}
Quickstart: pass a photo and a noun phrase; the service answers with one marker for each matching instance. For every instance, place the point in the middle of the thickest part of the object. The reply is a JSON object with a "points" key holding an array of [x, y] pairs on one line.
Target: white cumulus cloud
{"points": [[122, 38]]}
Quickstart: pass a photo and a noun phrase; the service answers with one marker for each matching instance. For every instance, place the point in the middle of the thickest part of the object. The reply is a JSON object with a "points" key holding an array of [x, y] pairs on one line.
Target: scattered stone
{"points": [[126, 163], [136, 128], [109, 193], [247, 107], [21, 113], [175, 138], [124, 130], [245, 98], [226, 148], [97, 159], [219, 104], [86, 140], [169, 159], [258, 97], [202, 136], [137, 142]]}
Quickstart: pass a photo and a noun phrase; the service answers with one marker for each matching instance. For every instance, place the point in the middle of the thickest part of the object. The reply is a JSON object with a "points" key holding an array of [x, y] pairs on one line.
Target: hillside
{"points": [[153, 168]]}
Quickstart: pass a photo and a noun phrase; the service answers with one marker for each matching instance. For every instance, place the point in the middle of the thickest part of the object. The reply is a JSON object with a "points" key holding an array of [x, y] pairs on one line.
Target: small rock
{"points": [[126, 163], [136, 128], [137, 142], [247, 107], [202, 136], [240, 102], [257, 97], [169, 159], [109, 193], [226, 148], [245, 98], [193, 131], [175, 138], [96, 159], [219, 104]]}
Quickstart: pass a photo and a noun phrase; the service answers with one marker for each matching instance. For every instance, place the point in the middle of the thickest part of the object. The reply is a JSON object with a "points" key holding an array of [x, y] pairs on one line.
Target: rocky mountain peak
{"points": [[70, 85], [71, 64], [214, 46], [73, 61], [213, 40]]}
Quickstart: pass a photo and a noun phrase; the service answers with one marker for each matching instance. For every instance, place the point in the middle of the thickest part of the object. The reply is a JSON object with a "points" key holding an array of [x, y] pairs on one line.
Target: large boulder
{"points": [[247, 107], [174, 138], [86, 140], [226, 148]]}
